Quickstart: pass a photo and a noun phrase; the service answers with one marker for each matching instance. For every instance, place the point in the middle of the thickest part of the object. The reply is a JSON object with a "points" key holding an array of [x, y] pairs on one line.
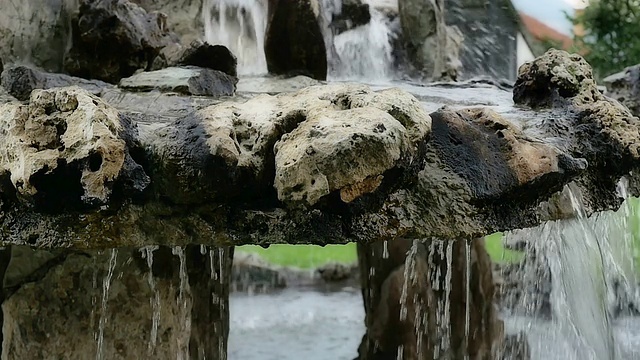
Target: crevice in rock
{"points": [[59, 189]]}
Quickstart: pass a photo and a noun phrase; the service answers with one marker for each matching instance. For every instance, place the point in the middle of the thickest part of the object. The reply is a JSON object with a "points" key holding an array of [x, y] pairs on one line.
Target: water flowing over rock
{"points": [[65, 294], [113, 39], [289, 50], [353, 13]]}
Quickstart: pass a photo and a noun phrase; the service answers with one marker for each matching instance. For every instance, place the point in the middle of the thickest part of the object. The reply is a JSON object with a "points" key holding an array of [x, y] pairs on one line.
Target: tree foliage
{"points": [[611, 40]]}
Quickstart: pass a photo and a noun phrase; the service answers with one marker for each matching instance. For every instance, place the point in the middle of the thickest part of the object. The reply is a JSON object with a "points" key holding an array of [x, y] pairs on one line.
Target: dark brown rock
{"points": [[294, 44], [404, 285], [112, 39], [200, 54], [354, 13]]}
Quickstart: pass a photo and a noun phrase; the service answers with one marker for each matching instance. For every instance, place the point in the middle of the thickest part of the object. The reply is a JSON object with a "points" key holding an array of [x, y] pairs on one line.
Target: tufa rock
{"points": [[200, 54], [290, 51], [20, 81], [224, 171], [63, 147], [113, 39], [189, 80]]}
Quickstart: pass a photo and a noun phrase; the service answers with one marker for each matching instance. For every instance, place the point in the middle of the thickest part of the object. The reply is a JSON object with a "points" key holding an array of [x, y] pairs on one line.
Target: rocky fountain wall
{"points": [[91, 173]]}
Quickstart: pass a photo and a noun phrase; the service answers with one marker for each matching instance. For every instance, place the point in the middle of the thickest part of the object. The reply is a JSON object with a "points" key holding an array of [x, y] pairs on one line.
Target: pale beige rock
{"points": [[61, 126], [334, 149]]}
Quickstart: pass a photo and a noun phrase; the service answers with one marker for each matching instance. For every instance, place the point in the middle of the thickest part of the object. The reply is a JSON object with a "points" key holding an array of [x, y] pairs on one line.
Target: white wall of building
{"points": [[524, 51]]}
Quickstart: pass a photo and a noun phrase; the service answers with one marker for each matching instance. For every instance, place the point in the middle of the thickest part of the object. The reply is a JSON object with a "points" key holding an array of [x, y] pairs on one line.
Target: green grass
{"points": [[311, 256], [304, 256], [498, 253]]}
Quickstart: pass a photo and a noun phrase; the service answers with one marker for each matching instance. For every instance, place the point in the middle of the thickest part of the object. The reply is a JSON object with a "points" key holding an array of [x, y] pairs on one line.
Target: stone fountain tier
{"points": [[327, 164]]}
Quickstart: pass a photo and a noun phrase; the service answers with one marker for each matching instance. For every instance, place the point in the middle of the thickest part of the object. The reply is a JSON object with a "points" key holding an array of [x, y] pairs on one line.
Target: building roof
{"points": [[542, 32]]}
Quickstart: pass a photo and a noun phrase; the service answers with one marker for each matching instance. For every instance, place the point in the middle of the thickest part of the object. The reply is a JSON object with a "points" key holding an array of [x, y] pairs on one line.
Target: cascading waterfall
{"points": [[361, 53], [240, 25], [364, 52], [592, 269]]}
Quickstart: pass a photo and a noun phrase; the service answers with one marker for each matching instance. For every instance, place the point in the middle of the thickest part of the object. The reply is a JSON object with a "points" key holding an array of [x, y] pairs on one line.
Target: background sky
{"points": [[551, 12]]}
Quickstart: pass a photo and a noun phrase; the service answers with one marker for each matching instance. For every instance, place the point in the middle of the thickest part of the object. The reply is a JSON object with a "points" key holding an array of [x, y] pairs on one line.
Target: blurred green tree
{"points": [[611, 38]]}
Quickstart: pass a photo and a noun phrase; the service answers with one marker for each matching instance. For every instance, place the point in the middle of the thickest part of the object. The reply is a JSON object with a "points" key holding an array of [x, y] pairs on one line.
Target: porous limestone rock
{"points": [[564, 84], [20, 80], [346, 150], [65, 145], [214, 171], [113, 39], [184, 17], [188, 80]]}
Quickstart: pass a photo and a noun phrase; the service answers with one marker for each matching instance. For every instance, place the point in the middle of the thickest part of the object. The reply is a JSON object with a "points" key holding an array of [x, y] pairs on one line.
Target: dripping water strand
{"points": [[467, 309], [105, 297], [183, 306], [147, 253], [409, 269]]}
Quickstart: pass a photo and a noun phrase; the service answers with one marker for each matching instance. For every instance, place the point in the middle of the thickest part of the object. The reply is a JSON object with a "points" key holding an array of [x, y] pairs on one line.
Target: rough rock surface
{"points": [[36, 31], [116, 291], [289, 50], [564, 84], [188, 80], [625, 87], [184, 17], [231, 165], [62, 134], [20, 80], [432, 46], [113, 39], [200, 54]]}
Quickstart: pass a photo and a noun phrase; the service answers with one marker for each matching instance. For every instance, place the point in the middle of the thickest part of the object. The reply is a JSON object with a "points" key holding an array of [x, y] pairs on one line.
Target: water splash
{"points": [[106, 283], [240, 25], [184, 307], [364, 52], [147, 253]]}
